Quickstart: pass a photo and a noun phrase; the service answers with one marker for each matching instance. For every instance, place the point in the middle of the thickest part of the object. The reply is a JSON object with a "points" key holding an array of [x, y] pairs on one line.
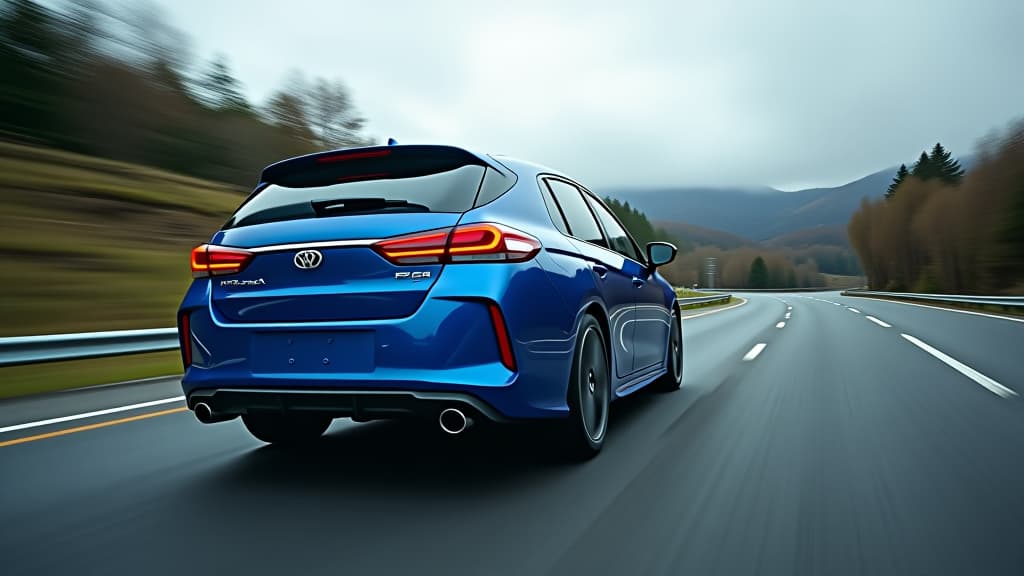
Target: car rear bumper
{"points": [[449, 346], [360, 405]]}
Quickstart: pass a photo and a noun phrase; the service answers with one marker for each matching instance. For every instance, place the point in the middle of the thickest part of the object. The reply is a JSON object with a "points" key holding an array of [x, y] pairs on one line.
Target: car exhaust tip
{"points": [[454, 421], [206, 415]]}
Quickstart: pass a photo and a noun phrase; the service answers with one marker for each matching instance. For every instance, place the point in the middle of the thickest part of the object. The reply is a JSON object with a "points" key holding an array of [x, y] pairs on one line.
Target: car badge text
{"points": [[412, 275], [237, 283]]}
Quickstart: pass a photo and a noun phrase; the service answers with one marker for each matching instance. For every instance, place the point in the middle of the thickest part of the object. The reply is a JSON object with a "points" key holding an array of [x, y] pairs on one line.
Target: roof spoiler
{"points": [[370, 163]]}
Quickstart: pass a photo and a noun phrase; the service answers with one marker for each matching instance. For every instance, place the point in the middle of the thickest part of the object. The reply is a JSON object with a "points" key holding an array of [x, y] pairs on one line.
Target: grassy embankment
{"points": [[90, 244]]}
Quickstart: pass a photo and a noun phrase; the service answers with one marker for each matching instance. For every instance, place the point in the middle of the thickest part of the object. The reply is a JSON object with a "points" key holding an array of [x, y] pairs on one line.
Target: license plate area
{"points": [[313, 352]]}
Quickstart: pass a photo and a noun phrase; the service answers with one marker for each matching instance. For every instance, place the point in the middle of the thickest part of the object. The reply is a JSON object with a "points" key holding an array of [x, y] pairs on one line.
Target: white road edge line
{"points": [[716, 311], [988, 383], [754, 352], [780, 325], [91, 414], [854, 310], [879, 322]]}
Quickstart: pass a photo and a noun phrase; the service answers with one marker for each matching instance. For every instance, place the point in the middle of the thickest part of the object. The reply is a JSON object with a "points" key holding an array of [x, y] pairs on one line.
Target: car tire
{"points": [[672, 379], [286, 429], [589, 393]]}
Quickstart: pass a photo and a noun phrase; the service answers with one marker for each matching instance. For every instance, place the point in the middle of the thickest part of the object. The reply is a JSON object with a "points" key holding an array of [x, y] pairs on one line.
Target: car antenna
{"points": [[392, 142]]}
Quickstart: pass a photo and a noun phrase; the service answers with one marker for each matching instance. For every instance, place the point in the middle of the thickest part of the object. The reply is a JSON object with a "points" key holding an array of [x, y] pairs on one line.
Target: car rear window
{"points": [[452, 190]]}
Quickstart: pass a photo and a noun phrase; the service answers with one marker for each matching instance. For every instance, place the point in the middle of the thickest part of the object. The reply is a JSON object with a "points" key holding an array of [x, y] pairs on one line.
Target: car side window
{"points": [[617, 236], [581, 221], [553, 211]]}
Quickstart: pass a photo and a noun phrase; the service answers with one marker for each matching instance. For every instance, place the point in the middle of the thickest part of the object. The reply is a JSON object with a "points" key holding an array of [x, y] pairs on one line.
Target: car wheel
{"points": [[589, 392], [673, 377], [286, 429]]}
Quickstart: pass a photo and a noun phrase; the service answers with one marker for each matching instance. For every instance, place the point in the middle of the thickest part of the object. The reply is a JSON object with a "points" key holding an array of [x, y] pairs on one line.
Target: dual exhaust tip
{"points": [[452, 420]]}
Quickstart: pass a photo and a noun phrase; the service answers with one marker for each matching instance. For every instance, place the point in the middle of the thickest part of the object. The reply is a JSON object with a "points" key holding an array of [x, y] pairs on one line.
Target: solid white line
{"points": [[754, 352], [780, 325], [91, 414], [854, 310], [957, 310], [990, 384], [879, 322], [716, 311]]}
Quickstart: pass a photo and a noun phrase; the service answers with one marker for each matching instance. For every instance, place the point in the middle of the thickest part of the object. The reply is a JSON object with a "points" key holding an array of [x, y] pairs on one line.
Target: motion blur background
{"points": [[767, 136]]}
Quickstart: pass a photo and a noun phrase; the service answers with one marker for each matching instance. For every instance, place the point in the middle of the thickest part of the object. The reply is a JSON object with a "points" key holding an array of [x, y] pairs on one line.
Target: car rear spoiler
{"points": [[370, 163]]}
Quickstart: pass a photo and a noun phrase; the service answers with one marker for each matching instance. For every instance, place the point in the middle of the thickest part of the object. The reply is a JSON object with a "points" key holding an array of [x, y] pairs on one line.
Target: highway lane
{"points": [[841, 448]]}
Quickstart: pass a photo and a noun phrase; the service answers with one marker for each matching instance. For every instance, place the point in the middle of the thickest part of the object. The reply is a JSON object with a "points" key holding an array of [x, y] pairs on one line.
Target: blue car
{"points": [[424, 281]]}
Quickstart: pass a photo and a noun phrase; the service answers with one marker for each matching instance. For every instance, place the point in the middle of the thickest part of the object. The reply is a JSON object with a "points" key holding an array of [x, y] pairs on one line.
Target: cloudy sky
{"points": [[785, 93]]}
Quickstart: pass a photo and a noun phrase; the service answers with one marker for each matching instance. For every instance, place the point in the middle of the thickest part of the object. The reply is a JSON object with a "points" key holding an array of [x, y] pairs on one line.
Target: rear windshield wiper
{"points": [[364, 205]]}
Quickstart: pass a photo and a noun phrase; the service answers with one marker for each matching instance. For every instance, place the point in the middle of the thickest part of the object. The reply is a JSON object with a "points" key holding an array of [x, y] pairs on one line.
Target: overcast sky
{"points": [[784, 93]]}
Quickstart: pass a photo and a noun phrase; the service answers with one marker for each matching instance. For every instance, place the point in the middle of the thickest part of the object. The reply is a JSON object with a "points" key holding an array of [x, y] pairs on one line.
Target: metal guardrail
{"points": [[52, 347], [703, 299], [815, 289], [1006, 301]]}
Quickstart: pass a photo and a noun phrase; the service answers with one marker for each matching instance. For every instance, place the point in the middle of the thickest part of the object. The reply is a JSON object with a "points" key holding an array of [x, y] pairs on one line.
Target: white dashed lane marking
{"points": [[754, 352], [879, 322]]}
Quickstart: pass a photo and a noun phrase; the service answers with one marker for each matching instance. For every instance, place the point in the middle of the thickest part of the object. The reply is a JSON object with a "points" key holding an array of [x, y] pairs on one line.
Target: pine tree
{"points": [[758, 273], [222, 91], [945, 167], [923, 168], [901, 175]]}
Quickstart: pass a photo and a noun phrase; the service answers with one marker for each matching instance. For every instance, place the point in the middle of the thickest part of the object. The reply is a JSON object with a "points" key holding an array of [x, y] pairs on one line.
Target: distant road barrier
{"points": [[19, 350], [1005, 301], [816, 289], [52, 347], [703, 299]]}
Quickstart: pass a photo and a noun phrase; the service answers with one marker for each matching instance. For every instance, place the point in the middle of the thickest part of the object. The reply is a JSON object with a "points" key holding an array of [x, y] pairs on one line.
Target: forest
{"points": [[939, 229]]}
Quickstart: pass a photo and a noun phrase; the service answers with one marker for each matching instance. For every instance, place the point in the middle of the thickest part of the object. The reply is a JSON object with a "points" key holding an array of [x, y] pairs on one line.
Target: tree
{"points": [[945, 167], [332, 115], [287, 110], [923, 169], [220, 90], [758, 273], [901, 175]]}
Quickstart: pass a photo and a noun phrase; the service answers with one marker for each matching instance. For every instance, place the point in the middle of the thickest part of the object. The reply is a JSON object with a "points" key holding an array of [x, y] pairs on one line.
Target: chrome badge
{"points": [[308, 259], [412, 275]]}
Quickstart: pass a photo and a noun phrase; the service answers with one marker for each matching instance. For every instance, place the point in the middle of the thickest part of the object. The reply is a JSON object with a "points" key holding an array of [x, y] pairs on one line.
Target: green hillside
{"points": [[92, 244]]}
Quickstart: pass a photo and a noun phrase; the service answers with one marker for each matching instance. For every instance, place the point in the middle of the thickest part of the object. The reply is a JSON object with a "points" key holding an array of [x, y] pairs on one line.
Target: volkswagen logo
{"points": [[308, 259]]}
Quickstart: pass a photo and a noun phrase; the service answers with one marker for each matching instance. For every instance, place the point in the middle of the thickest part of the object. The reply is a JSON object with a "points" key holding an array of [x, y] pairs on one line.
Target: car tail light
{"points": [[468, 243], [423, 248], [210, 260], [501, 333], [185, 337]]}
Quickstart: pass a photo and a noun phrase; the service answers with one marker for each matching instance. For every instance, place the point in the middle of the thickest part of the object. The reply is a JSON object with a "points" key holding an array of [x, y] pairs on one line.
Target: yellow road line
{"points": [[91, 427]]}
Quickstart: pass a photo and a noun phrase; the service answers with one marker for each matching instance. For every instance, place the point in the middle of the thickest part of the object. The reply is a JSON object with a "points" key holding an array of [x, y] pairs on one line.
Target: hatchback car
{"points": [[426, 281]]}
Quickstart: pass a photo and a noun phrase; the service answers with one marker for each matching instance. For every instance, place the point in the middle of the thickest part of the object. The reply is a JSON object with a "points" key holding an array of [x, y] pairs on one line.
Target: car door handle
{"points": [[638, 282], [601, 271]]}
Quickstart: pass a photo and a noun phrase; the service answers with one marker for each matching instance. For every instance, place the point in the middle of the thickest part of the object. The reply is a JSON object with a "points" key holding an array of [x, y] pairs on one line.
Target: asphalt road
{"points": [[840, 447]]}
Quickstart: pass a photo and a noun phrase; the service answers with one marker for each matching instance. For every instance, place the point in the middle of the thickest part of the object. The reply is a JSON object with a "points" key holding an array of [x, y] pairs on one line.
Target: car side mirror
{"points": [[660, 253]]}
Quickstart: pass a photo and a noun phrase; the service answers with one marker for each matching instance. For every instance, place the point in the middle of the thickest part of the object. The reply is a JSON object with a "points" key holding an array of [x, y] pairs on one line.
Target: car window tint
{"points": [[617, 236], [581, 222], [556, 215]]}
